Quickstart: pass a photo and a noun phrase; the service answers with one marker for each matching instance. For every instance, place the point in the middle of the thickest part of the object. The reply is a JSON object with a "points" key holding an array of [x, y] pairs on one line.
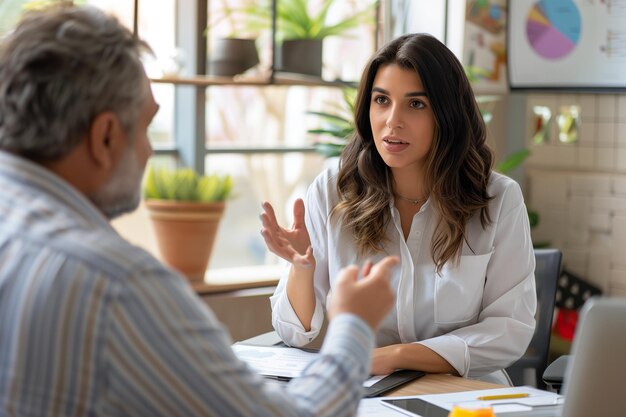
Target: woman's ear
{"points": [[106, 140]]}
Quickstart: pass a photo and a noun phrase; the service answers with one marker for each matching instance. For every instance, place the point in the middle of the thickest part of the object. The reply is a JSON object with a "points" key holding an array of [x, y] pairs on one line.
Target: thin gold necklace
{"points": [[413, 201]]}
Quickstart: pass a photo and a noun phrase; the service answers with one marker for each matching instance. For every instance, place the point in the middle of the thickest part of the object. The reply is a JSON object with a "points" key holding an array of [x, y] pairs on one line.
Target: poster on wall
{"points": [[484, 48], [568, 44]]}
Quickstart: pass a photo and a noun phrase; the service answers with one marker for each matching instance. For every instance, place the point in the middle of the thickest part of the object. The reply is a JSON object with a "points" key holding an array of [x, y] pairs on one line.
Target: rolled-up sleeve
{"points": [[284, 318]]}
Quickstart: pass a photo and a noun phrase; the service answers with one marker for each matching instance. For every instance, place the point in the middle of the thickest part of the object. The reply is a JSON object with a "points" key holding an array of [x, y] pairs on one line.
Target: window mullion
{"points": [[189, 121]]}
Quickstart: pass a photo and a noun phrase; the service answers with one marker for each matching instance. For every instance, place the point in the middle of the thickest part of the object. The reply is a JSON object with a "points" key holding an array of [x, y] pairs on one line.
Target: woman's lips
{"points": [[394, 144]]}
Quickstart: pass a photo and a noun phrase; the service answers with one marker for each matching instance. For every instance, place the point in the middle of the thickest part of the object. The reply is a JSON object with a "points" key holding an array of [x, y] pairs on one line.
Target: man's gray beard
{"points": [[121, 207], [122, 194]]}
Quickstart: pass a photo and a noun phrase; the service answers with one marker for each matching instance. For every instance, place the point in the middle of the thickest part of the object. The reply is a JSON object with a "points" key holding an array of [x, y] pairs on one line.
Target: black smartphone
{"points": [[417, 406]]}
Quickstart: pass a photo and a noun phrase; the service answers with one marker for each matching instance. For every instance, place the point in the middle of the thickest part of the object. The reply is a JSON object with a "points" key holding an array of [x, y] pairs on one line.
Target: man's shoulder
{"points": [[107, 251]]}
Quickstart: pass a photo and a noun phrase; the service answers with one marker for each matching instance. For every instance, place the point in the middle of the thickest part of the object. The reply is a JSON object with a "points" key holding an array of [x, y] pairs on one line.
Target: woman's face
{"points": [[402, 120]]}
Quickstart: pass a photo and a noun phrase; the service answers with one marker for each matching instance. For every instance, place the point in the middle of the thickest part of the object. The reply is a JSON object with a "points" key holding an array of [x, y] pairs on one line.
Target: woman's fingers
{"points": [[298, 215], [269, 215], [283, 248]]}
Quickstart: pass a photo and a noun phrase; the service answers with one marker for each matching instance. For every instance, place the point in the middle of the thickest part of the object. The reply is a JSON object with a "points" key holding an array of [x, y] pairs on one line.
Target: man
{"points": [[89, 324]]}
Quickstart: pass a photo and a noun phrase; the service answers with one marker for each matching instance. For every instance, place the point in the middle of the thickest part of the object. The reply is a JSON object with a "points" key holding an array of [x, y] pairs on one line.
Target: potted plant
{"points": [[235, 52], [300, 33], [185, 210]]}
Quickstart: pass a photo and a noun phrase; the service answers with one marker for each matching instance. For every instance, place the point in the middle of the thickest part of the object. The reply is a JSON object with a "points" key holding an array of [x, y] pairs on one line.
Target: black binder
{"points": [[391, 381]]}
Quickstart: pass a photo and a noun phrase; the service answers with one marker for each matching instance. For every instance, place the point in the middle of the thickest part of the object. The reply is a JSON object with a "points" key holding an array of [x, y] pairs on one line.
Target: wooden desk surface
{"points": [[439, 384]]}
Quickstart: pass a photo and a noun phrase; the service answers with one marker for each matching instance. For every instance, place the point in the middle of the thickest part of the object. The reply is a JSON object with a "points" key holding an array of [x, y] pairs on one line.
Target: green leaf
{"points": [[185, 185], [332, 131], [512, 161], [349, 98], [533, 218], [332, 118], [295, 22], [328, 149], [337, 127], [345, 25]]}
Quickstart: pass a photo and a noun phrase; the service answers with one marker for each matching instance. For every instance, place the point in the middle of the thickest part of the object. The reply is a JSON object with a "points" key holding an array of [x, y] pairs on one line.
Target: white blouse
{"points": [[478, 314]]}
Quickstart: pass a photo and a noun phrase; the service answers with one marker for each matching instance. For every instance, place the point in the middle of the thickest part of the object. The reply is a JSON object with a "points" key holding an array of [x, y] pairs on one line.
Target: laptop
{"points": [[596, 372]]}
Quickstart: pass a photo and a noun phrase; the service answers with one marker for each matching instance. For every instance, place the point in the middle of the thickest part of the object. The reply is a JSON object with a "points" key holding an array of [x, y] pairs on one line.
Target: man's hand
{"points": [[371, 297]]}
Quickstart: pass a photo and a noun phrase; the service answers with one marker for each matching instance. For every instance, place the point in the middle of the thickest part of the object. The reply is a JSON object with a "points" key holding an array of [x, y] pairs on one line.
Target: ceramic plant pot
{"points": [[303, 56], [232, 56], [185, 233]]}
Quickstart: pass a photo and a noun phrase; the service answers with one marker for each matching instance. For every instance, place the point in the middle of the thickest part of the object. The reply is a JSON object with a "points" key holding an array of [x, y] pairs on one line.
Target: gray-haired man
{"points": [[89, 324]]}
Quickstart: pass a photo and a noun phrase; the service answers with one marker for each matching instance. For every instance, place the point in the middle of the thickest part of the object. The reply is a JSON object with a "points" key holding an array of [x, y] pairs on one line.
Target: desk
{"points": [[440, 384]]}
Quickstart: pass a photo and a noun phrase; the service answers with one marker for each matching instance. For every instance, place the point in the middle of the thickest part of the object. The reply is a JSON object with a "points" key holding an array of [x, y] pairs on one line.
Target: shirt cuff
{"points": [[288, 326], [453, 349], [349, 336]]}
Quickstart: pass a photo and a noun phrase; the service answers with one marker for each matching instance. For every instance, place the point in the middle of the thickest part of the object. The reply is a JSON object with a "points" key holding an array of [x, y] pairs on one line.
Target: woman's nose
{"points": [[394, 121]]}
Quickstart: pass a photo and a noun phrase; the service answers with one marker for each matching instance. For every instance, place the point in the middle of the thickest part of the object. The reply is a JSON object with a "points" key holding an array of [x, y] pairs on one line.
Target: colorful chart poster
{"points": [[484, 47], [573, 44]]}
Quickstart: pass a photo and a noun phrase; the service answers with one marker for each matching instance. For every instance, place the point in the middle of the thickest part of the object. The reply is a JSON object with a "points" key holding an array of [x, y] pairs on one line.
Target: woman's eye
{"points": [[380, 100], [416, 104]]}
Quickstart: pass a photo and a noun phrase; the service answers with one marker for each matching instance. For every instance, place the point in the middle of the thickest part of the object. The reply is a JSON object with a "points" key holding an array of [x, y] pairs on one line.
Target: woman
{"points": [[416, 181]]}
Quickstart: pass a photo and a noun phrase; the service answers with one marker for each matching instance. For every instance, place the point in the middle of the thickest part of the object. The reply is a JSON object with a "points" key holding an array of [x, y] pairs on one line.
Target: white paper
{"points": [[469, 399], [273, 361], [281, 361]]}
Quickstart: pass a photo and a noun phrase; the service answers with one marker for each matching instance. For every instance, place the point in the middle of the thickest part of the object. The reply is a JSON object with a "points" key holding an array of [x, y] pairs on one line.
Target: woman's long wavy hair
{"points": [[458, 164]]}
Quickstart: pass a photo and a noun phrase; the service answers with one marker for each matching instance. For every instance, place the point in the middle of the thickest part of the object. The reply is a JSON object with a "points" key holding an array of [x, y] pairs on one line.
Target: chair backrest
{"points": [[547, 271]]}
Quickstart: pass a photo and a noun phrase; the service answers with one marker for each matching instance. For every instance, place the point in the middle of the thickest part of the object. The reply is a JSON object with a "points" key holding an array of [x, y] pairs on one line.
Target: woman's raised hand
{"points": [[293, 245]]}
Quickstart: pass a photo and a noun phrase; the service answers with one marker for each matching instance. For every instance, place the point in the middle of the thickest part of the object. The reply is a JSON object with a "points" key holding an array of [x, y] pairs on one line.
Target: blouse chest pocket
{"points": [[459, 289]]}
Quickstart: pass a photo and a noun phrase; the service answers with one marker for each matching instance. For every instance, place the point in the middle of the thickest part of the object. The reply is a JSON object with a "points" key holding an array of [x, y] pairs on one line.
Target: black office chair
{"points": [[547, 271]]}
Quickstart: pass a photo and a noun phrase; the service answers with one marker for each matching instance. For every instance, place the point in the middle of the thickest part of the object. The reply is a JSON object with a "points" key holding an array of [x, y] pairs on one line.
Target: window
{"points": [[258, 134]]}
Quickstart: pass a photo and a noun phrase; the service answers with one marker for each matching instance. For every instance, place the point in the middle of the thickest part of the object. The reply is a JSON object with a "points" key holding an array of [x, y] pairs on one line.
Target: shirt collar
{"points": [[41, 180]]}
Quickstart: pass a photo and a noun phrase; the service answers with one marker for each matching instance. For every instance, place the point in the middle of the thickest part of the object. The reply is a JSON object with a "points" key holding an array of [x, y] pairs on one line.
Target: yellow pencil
{"points": [[502, 397]]}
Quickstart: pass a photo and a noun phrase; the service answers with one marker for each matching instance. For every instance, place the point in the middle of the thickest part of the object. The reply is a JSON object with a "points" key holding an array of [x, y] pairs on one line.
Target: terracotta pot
{"points": [[185, 233]]}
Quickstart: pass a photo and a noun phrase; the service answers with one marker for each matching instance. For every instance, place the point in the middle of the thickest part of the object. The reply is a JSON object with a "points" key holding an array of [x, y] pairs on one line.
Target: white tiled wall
{"points": [[579, 189]]}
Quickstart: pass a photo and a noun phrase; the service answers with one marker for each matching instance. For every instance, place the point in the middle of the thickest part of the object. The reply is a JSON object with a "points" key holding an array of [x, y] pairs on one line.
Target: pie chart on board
{"points": [[553, 28]]}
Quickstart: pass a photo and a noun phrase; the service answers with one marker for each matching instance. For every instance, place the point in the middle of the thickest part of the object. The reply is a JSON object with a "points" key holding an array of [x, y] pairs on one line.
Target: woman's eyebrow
{"points": [[411, 94]]}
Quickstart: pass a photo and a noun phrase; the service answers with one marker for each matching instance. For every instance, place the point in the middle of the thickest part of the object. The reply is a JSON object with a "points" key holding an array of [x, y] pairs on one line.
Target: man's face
{"points": [[122, 193]]}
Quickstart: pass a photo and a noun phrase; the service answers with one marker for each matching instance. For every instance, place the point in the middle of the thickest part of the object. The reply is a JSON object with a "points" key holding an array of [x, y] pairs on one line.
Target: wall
{"points": [[245, 313], [579, 189]]}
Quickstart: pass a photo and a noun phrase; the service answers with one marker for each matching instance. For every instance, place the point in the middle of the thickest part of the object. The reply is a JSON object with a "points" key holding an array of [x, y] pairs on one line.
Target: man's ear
{"points": [[106, 140]]}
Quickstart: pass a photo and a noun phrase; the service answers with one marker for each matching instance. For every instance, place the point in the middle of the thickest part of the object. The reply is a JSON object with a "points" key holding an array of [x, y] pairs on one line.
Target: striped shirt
{"points": [[92, 326]]}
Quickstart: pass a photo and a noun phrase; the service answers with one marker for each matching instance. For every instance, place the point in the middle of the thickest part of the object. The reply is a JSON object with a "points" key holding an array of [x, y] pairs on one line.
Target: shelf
{"points": [[261, 150], [232, 279], [280, 78]]}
